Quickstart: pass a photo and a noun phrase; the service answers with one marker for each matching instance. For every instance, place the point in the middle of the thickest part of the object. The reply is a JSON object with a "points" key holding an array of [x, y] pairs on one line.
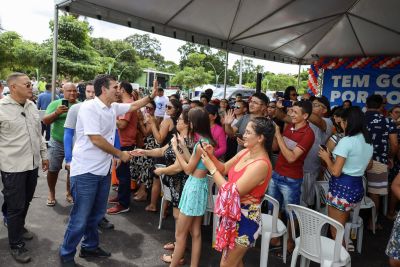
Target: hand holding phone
{"points": [[324, 147], [64, 102], [239, 135], [287, 103]]}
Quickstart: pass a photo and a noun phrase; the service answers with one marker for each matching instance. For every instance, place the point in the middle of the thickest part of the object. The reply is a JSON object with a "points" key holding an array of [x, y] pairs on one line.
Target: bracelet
{"points": [[151, 98], [212, 172]]}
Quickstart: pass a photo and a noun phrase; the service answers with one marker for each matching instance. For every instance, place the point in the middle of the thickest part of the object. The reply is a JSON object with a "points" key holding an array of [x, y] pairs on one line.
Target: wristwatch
{"points": [[212, 172]]}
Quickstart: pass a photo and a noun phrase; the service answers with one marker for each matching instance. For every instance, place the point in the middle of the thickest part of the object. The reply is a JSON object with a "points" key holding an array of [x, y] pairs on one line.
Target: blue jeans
{"points": [[285, 189], [90, 194]]}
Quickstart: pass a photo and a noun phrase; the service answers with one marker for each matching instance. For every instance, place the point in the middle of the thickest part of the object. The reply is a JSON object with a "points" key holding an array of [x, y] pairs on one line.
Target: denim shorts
{"points": [[285, 189], [55, 154]]}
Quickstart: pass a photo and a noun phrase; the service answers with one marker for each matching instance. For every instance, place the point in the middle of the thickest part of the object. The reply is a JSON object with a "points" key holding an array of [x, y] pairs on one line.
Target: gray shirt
{"points": [[72, 117], [241, 126], [312, 162]]}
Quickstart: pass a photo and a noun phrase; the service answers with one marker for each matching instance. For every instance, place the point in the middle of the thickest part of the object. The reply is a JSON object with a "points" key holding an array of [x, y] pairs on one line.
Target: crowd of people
{"points": [[280, 147]]}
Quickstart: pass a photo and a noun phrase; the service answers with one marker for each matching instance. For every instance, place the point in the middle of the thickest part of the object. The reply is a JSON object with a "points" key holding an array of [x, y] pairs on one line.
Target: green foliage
{"points": [[192, 77], [82, 57]]}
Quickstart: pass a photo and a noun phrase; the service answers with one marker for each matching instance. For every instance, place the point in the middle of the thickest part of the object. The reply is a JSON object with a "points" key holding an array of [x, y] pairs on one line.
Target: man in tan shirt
{"points": [[21, 148]]}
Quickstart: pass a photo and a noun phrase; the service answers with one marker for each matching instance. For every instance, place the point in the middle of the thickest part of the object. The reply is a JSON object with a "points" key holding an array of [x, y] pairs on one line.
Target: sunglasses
{"points": [[169, 107], [238, 107], [28, 85], [293, 94]]}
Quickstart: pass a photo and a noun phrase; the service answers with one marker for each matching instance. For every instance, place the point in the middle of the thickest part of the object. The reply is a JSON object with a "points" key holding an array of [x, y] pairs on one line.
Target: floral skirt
{"points": [[176, 183], [142, 167], [194, 197], [393, 247], [249, 226], [345, 191]]}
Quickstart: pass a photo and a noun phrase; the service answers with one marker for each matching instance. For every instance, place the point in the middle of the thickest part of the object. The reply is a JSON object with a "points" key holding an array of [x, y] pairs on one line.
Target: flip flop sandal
{"points": [[51, 203], [168, 259], [169, 246], [274, 248]]}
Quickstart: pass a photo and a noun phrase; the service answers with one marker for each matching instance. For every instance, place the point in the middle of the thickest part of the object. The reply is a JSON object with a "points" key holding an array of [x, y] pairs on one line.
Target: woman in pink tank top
{"points": [[249, 173]]}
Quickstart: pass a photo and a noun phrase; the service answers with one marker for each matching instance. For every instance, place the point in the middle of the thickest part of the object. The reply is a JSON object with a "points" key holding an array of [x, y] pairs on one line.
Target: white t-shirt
{"points": [[95, 118], [161, 103]]}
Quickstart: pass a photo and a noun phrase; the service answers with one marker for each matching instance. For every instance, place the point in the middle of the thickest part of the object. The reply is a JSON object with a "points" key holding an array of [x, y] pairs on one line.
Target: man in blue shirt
{"points": [[43, 101]]}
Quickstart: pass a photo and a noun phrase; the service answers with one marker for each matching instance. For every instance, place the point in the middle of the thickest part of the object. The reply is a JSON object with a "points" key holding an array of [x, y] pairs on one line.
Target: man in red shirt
{"points": [[127, 129], [294, 144]]}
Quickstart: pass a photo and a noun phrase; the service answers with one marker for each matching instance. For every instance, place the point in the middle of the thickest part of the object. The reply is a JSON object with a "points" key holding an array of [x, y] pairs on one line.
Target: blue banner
{"points": [[357, 84]]}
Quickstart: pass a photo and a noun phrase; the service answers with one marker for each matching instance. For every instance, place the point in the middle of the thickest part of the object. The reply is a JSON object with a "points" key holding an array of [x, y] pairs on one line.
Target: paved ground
{"points": [[136, 240]]}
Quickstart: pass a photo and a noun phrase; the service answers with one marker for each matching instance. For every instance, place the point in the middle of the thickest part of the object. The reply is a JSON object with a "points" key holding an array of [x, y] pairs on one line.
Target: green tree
{"points": [[145, 46], [212, 58], [192, 77]]}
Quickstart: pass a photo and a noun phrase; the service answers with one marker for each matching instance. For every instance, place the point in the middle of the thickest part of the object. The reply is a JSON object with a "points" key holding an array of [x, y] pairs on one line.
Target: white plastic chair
{"points": [[166, 195], [272, 227], [356, 223], [324, 187], [310, 245], [210, 201], [367, 203]]}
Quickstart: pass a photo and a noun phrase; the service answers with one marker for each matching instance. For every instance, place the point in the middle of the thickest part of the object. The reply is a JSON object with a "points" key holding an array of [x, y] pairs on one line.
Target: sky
{"points": [[30, 18]]}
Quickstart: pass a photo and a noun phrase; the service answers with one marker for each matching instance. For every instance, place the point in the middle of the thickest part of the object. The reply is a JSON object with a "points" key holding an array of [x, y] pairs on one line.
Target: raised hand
{"points": [[229, 117]]}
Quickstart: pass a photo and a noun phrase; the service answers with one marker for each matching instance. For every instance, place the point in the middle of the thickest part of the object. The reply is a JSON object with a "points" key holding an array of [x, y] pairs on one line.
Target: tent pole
{"points": [[55, 42], [298, 78], [226, 71]]}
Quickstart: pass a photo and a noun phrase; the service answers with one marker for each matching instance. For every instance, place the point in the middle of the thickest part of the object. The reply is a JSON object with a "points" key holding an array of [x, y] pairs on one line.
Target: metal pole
{"points": [[226, 71], [240, 71], [298, 78], [55, 42]]}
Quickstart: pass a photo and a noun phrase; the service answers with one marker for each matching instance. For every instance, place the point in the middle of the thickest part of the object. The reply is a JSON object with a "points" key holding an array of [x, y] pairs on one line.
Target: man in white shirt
{"points": [[161, 104], [90, 167]]}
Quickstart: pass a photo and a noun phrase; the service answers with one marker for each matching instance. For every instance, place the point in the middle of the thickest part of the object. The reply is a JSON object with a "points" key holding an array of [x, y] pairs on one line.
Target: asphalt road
{"points": [[136, 241]]}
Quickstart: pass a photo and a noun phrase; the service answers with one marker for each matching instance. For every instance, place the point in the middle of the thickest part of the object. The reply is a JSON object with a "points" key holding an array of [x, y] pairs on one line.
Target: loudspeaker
{"points": [[258, 82]]}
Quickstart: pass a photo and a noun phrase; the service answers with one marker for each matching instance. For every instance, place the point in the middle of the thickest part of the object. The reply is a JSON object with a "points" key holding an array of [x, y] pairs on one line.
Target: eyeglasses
{"points": [[318, 105], [28, 85], [169, 107]]}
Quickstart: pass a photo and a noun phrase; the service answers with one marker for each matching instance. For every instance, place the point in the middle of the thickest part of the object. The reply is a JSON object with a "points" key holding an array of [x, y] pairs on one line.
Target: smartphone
{"points": [[64, 102], [239, 135], [279, 94], [324, 147], [201, 144], [287, 103]]}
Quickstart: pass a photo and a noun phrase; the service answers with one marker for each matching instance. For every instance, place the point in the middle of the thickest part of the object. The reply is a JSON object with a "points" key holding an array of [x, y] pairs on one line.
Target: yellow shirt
{"points": [[21, 142]]}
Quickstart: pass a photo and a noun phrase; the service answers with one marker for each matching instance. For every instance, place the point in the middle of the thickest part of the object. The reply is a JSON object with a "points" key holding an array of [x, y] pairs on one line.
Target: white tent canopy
{"points": [[290, 31]]}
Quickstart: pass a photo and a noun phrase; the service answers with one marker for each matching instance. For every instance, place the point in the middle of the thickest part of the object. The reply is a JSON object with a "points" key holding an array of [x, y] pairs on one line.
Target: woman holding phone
{"points": [[175, 178], [193, 201], [347, 165], [249, 173]]}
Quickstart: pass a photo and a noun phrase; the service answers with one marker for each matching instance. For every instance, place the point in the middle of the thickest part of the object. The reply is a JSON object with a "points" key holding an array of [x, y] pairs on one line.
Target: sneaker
{"points": [[67, 263], [105, 224], [21, 254], [117, 209], [96, 253], [26, 235], [113, 200]]}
